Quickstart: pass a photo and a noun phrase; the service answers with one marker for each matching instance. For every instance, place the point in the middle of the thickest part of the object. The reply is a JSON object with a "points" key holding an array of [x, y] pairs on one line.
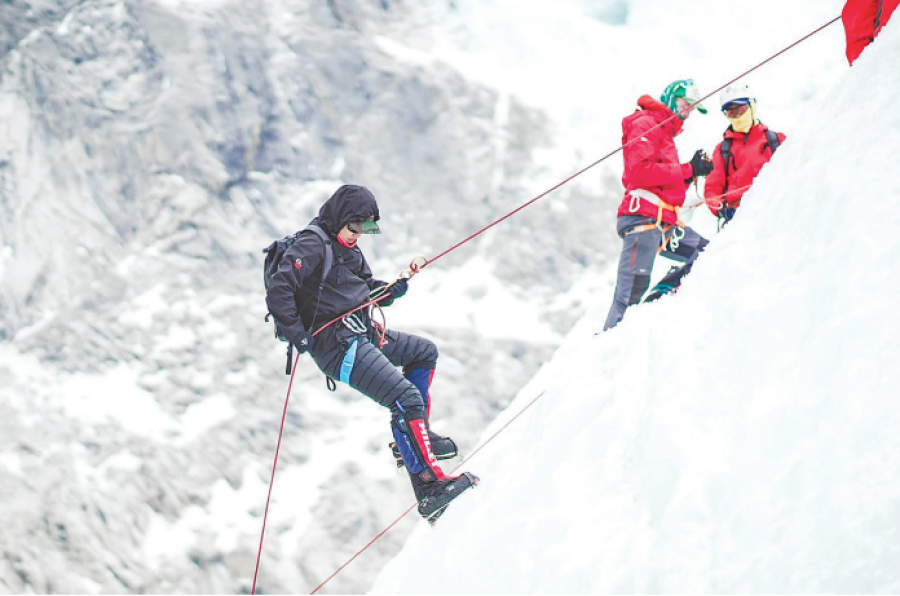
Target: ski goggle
{"points": [[364, 227], [735, 110]]}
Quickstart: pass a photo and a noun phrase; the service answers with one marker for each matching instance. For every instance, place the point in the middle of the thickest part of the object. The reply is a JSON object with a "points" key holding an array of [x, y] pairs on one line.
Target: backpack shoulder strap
{"points": [[725, 150], [329, 252]]}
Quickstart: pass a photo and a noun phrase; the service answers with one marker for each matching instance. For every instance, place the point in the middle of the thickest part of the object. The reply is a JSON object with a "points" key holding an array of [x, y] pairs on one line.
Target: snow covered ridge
{"points": [[741, 436]]}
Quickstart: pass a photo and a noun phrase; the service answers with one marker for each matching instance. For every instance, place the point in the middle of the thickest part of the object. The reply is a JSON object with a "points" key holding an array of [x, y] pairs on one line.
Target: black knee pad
{"points": [[641, 284]]}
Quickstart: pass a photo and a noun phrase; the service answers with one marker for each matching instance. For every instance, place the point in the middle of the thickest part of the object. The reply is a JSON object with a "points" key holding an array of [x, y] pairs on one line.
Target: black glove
{"points": [[399, 288], [304, 342], [726, 213], [700, 166]]}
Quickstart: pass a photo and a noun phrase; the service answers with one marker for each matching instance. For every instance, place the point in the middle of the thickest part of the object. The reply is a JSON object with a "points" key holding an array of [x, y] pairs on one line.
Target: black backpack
{"points": [[771, 141], [273, 253]]}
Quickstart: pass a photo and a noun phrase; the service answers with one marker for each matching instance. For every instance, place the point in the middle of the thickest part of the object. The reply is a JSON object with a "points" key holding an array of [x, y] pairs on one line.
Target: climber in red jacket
{"points": [[748, 145], [863, 20], [655, 182]]}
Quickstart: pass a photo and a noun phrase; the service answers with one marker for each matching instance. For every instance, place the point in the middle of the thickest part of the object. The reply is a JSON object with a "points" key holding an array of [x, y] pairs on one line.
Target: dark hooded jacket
{"points": [[293, 295]]}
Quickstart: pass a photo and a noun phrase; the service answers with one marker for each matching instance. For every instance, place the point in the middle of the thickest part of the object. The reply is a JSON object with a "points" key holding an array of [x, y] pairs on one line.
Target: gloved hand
{"points": [[304, 343], [726, 213], [399, 288], [395, 291], [700, 166]]}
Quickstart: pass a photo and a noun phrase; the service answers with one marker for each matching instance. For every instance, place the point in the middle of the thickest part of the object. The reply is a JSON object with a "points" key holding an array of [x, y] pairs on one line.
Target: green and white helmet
{"points": [[684, 88]]}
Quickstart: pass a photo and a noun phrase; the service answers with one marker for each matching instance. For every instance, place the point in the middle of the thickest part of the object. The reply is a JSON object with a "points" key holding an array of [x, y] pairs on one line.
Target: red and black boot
{"points": [[434, 490]]}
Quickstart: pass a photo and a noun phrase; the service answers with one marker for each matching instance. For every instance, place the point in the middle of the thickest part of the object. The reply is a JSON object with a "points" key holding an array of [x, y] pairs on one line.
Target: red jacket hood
{"points": [[661, 112]]}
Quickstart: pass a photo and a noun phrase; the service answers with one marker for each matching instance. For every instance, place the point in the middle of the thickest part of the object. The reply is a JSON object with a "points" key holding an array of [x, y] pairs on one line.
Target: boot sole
{"points": [[435, 515]]}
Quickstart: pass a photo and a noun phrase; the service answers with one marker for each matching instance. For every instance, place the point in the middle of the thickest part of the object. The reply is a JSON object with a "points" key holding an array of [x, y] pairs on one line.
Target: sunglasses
{"points": [[735, 111], [363, 227]]}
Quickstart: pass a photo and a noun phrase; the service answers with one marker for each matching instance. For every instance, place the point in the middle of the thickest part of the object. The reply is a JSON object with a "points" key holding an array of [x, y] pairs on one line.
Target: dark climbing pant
{"points": [[358, 362]]}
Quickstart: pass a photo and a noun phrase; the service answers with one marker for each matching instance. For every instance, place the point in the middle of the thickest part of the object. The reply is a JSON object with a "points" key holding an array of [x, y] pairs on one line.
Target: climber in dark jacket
{"points": [[349, 350]]}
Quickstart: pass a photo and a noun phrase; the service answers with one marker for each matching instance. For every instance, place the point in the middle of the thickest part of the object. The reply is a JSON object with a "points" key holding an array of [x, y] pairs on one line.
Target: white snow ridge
{"points": [[740, 437]]}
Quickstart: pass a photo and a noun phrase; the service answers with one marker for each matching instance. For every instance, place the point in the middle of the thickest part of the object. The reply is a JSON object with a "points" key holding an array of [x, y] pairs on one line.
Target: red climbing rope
{"points": [[272, 479], [415, 268], [708, 200]]}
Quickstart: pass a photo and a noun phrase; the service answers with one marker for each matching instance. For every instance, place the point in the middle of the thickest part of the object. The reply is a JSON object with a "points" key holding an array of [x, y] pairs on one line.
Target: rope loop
{"points": [[379, 329], [414, 267]]}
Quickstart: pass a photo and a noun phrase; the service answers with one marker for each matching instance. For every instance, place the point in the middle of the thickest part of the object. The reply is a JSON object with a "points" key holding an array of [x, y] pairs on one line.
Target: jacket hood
{"points": [[348, 203], [661, 112]]}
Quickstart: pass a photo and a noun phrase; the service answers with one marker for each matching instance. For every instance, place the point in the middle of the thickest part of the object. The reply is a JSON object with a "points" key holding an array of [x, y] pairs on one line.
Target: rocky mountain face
{"points": [[148, 150]]}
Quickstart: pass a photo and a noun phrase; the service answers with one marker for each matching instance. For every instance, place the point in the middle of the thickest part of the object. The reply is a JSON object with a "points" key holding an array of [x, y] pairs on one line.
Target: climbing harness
{"points": [[671, 233]]}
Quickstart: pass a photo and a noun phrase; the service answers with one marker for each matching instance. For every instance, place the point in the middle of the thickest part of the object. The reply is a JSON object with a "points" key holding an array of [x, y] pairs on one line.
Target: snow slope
{"points": [[742, 436]]}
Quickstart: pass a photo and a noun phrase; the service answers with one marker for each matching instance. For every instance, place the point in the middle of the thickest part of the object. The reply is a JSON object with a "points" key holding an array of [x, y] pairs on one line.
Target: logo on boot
{"points": [[426, 441]]}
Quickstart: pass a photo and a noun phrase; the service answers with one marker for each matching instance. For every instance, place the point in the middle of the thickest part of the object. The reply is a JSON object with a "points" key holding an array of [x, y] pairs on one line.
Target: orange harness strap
{"points": [[671, 239]]}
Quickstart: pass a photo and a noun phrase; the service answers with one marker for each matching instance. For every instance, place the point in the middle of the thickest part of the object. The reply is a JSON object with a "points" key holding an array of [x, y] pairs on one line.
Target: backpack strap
{"points": [[327, 264], [725, 150], [329, 253]]}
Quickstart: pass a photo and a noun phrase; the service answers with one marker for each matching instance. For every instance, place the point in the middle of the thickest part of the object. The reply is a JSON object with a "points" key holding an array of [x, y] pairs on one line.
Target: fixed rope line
{"points": [[621, 148], [413, 506], [363, 549], [416, 268], [281, 434], [707, 200], [272, 480]]}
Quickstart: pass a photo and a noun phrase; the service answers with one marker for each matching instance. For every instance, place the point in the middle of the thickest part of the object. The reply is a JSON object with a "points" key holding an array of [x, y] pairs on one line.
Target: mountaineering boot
{"points": [[434, 496], [670, 283], [434, 490], [442, 447], [413, 440], [659, 290]]}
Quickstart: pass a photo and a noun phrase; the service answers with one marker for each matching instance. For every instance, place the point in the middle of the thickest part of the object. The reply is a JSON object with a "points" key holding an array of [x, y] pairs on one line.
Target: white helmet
{"points": [[736, 93]]}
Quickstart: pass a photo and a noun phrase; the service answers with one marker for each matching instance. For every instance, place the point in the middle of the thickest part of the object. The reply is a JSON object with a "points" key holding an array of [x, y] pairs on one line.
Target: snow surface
{"points": [[742, 436]]}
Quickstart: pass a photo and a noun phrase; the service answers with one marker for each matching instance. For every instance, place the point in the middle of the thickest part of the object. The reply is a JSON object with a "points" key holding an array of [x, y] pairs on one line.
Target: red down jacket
{"points": [[863, 20], [651, 162], [749, 152]]}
